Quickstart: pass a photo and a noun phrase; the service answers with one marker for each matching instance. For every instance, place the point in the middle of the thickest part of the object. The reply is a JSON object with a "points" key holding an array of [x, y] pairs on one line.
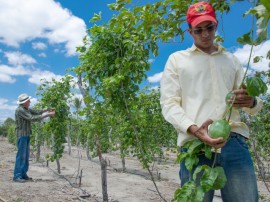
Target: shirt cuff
{"points": [[185, 125]]}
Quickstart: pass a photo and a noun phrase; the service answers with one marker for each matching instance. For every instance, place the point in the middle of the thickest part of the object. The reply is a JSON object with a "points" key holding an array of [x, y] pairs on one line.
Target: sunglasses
{"points": [[208, 29]]}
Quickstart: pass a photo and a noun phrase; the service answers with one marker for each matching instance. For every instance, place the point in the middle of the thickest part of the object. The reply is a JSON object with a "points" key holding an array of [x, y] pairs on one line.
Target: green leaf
{"points": [[198, 195], [213, 178], [263, 16], [190, 161], [197, 170], [266, 3], [245, 39], [195, 146], [208, 151], [257, 59], [96, 17], [184, 193], [208, 179], [268, 55], [181, 157], [221, 178], [256, 86]]}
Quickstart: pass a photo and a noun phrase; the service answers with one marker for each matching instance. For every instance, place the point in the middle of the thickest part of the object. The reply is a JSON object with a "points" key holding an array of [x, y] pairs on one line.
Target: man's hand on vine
{"points": [[51, 113], [241, 98], [52, 110]]}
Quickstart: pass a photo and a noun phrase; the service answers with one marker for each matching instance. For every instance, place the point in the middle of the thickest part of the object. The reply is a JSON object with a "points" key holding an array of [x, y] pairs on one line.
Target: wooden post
{"points": [[123, 159], [58, 166], [80, 179]]}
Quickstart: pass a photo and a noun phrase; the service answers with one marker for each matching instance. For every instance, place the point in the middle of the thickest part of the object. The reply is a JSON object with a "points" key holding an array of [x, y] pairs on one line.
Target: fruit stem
{"points": [[228, 111], [215, 158]]}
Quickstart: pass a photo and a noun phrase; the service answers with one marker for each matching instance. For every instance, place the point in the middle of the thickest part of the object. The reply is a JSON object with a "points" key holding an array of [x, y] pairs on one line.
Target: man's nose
{"points": [[205, 32]]}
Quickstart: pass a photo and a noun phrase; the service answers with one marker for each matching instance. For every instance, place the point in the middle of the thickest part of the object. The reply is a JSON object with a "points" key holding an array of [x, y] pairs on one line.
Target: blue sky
{"points": [[38, 39]]}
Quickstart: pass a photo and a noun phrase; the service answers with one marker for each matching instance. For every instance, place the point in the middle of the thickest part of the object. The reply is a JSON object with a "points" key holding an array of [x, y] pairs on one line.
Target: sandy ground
{"points": [[48, 186]]}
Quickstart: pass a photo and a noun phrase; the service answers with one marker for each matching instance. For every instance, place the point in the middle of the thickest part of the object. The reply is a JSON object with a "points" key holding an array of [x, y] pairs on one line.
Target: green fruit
{"points": [[228, 97], [219, 128]]}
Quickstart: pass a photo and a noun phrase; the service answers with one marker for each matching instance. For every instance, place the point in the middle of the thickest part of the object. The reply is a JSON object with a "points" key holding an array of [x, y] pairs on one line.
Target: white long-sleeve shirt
{"points": [[194, 86]]}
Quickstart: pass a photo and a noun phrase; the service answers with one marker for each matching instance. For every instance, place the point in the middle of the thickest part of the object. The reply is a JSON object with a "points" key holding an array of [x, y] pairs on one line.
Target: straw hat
{"points": [[23, 98]]}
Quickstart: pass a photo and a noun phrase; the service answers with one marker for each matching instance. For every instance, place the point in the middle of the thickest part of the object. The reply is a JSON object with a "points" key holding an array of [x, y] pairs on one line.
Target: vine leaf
{"points": [[190, 161], [213, 178], [181, 157], [257, 59], [266, 3], [262, 13], [256, 86], [195, 146], [198, 195], [208, 151], [221, 178], [245, 39], [96, 17], [184, 194]]}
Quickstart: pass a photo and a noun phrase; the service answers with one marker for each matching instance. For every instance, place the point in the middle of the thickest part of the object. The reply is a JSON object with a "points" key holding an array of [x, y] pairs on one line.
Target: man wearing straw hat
{"points": [[23, 118]]}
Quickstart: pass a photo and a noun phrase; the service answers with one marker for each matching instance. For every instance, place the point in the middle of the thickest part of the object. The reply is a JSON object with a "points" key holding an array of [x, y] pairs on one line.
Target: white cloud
{"points": [[261, 50], [26, 20], [5, 105], [42, 55], [14, 71], [37, 76], [20, 67], [17, 58], [155, 78], [4, 78], [33, 101], [39, 45], [4, 114]]}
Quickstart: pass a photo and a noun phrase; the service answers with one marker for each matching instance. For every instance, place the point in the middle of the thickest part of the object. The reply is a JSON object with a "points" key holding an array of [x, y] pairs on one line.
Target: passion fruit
{"points": [[219, 128]]}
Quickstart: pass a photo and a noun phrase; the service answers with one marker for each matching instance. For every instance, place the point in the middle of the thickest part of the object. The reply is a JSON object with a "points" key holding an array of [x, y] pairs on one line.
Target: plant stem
{"points": [[252, 45], [229, 108], [215, 158], [228, 111]]}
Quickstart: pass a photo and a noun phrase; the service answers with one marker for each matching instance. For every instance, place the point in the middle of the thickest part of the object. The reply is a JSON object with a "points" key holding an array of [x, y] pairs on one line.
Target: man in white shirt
{"points": [[194, 85]]}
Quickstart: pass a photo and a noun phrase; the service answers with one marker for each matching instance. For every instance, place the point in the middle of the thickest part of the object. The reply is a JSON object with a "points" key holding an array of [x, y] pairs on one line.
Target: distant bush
{"points": [[12, 138], [5, 126]]}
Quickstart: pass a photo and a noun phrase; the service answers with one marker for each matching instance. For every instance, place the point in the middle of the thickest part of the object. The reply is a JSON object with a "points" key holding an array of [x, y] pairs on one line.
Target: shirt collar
{"points": [[21, 106], [194, 48]]}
